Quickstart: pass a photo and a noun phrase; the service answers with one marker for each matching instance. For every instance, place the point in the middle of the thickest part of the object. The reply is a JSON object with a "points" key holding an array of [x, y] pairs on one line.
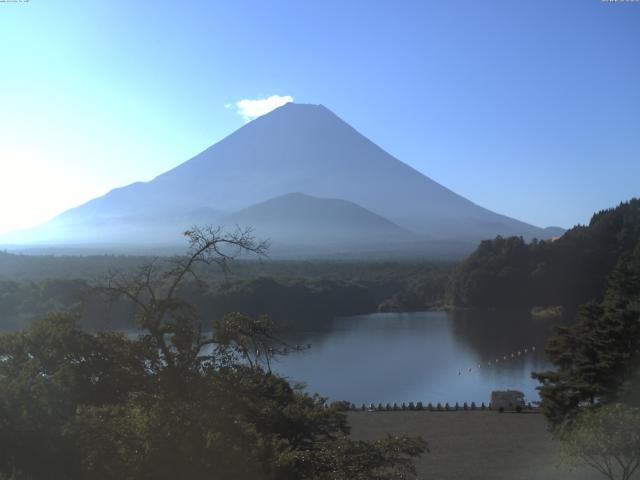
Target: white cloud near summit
{"points": [[254, 108]]}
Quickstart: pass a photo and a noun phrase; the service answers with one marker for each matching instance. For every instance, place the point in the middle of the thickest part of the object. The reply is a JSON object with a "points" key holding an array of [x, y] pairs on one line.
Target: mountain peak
{"points": [[303, 148], [296, 112], [310, 107]]}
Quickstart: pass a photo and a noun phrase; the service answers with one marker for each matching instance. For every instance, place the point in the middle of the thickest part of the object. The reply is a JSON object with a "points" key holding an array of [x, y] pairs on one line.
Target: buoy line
{"points": [[499, 359]]}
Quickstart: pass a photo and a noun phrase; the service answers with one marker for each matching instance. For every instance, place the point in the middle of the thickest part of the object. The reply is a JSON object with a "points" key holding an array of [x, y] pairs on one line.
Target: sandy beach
{"points": [[475, 445]]}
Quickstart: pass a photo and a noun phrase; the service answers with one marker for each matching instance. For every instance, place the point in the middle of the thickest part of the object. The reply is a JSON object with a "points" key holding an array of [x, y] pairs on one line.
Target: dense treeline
{"points": [[23, 302], [571, 270], [597, 358], [292, 301], [293, 294], [424, 291], [22, 267]]}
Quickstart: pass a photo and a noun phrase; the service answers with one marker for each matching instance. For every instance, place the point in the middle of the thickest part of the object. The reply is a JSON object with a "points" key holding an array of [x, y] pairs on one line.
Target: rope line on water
{"points": [[516, 355]]}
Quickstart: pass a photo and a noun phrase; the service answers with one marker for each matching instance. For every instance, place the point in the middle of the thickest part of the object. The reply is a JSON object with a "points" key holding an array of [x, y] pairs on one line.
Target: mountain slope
{"points": [[298, 219], [101, 229], [295, 148]]}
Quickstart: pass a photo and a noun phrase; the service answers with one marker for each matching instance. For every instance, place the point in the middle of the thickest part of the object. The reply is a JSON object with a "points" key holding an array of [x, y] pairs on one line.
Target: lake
{"points": [[427, 356]]}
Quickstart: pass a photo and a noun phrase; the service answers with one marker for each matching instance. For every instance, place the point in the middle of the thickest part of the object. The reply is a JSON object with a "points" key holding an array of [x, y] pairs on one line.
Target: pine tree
{"points": [[597, 358]]}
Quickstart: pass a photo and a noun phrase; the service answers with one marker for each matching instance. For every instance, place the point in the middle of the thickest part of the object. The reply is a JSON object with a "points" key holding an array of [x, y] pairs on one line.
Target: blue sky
{"points": [[529, 108]]}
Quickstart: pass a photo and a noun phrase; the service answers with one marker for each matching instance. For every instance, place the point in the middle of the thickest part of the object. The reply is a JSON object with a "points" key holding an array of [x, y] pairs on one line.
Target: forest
{"points": [[597, 358], [294, 294], [569, 271], [500, 273]]}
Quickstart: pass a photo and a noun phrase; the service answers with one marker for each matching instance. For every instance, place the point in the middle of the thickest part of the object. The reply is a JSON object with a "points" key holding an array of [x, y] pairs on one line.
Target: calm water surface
{"points": [[428, 356]]}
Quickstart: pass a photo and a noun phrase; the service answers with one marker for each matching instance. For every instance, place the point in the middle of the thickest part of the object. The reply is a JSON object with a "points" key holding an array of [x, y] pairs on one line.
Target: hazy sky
{"points": [[529, 108]]}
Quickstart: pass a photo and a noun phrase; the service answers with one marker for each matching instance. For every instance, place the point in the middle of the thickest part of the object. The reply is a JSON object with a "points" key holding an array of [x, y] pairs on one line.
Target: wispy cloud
{"points": [[253, 108]]}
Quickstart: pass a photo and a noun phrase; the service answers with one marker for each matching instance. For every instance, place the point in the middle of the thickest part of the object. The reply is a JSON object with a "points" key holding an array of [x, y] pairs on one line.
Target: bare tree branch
{"points": [[152, 288]]}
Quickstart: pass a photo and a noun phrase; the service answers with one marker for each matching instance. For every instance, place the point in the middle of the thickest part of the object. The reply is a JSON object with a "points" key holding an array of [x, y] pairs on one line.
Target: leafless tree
{"points": [[170, 321]]}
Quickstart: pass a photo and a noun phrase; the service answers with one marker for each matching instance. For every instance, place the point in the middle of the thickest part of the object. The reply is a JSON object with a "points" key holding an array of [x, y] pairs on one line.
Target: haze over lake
{"points": [[424, 356]]}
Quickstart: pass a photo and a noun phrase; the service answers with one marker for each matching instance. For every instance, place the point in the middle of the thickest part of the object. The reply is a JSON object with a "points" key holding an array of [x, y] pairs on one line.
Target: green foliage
{"points": [[422, 291], [77, 405], [291, 302], [597, 358], [492, 275], [293, 294], [507, 272], [46, 375], [605, 438], [21, 302], [175, 402]]}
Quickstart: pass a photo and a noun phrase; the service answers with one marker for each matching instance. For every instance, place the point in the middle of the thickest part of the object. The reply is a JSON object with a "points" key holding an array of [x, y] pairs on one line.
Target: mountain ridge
{"points": [[297, 218]]}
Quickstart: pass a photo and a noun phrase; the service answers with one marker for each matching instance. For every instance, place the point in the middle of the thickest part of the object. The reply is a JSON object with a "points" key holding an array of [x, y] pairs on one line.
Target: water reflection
{"points": [[428, 356]]}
